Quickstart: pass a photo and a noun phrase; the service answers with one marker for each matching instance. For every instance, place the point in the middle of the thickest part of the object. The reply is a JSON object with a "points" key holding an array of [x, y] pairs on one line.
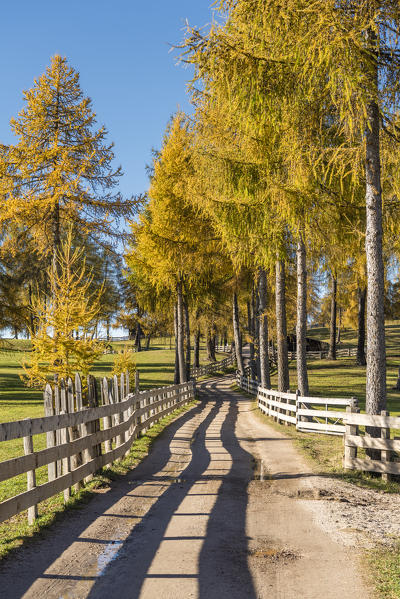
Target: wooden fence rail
{"points": [[386, 449], [308, 414], [77, 446], [213, 367]]}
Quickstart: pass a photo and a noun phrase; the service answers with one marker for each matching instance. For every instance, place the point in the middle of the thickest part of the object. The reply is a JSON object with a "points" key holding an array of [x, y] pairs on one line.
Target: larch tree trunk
{"points": [[281, 327], [138, 337], [187, 338], [196, 351], [236, 334], [176, 372], [339, 329], [256, 311], [148, 337], [362, 298], [31, 316], [301, 325], [263, 330], [181, 334], [250, 328], [212, 348], [208, 345], [332, 324], [376, 351]]}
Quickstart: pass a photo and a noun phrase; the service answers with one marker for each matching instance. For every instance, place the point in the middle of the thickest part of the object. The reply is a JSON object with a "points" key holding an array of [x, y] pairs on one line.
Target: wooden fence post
{"points": [[118, 416], [76, 460], [30, 478], [137, 381], [349, 452], [65, 461], [93, 398], [51, 435], [107, 420], [385, 454], [297, 407], [57, 409]]}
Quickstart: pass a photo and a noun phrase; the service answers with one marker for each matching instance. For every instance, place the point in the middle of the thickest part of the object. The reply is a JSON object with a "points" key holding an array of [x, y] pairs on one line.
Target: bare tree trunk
{"points": [[362, 297], [181, 335], [148, 337], [236, 333], [108, 329], [176, 372], [263, 329], [213, 344], [301, 325], [256, 312], [31, 317], [281, 327], [339, 330], [376, 351], [187, 338], [208, 344], [196, 352], [332, 324], [138, 338], [250, 329]]}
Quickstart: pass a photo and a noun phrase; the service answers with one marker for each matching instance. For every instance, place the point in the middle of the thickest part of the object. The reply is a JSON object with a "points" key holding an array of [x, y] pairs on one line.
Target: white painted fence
{"points": [[356, 438], [223, 349], [308, 414]]}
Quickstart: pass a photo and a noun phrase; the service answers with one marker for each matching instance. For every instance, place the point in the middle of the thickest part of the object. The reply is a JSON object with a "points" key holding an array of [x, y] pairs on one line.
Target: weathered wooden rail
{"points": [[213, 367], [308, 414], [356, 437], [77, 445]]}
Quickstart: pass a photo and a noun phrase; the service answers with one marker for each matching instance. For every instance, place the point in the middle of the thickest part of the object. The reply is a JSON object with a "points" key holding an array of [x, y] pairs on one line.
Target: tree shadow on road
{"points": [[223, 563]]}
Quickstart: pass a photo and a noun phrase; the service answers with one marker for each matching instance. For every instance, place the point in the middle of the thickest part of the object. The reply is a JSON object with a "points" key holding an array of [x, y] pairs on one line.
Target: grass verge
{"points": [[384, 566], [16, 532]]}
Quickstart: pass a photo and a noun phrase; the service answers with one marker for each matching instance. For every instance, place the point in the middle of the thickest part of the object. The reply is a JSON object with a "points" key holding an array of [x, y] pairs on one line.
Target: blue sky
{"points": [[121, 50]]}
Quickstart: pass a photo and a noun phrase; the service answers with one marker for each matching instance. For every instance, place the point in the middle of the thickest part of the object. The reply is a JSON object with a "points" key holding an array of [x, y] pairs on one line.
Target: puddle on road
{"points": [[260, 471], [107, 556]]}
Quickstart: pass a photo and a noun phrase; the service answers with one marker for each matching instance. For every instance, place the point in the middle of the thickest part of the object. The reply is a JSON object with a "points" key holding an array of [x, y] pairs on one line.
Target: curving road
{"points": [[194, 520]]}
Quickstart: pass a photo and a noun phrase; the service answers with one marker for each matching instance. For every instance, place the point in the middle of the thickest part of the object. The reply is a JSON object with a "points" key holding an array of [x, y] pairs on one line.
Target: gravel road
{"points": [[221, 508]]}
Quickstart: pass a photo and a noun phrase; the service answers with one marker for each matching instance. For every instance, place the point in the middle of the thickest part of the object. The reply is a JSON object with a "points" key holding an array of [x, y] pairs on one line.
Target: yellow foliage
{"points": [[71, 308], [124, 361]]}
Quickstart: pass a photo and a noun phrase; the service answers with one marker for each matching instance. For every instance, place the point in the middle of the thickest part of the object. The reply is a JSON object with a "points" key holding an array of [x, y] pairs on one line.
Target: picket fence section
{"points": [[213, 367], [309, 414], [77, 445], [386, 449]]}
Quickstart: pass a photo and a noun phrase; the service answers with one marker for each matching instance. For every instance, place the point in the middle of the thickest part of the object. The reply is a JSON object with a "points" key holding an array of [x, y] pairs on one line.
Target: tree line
{"points": [[288, 168]]}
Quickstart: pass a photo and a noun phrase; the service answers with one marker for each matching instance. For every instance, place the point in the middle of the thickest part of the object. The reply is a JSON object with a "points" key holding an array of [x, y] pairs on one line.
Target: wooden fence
{"points": [[223, 349], [345, 352], [308, 414], [213, 367], [386, 449], [77, 445]]}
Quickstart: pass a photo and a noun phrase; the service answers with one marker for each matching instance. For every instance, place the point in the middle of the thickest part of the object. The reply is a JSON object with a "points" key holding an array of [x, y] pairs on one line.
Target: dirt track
{"points": [[191, 521]]}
